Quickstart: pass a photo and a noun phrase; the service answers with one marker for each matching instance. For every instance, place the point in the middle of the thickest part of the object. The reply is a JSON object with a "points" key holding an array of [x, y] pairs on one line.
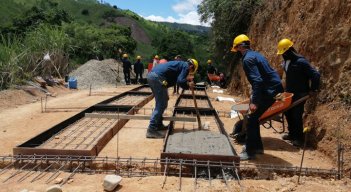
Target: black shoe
{"points": [[155, 134], [287, 137], [162, 127], [257, 151], [297, 143]]}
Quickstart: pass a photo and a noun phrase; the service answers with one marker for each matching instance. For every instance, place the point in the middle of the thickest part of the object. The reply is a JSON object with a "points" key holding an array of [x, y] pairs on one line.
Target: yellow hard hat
{"points": [[209, 61], [238, 40], [284, 45], [157, 57], [125, 55], [195, 63], [138, 57]]}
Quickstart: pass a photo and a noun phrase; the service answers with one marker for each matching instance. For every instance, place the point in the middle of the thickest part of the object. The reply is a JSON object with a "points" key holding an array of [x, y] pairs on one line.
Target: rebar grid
{"points": [[201, 103], [80, 135], [141, 167], [129, 99], [209, 122], [196, 92], [144, 89]]}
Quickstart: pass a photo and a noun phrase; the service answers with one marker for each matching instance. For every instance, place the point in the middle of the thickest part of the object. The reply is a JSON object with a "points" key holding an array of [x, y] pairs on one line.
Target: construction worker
{"points": [[160, 79], [176, 86], [156, 61], [211, 71], [265, 83], [222, 81], [127, 67], [138, 69], [298, 76]]}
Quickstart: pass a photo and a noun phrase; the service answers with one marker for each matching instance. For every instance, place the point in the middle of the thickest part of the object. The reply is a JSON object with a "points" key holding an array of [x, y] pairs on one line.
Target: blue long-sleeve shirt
{"points": [[264, 80], [299, 73], [173, 72]]}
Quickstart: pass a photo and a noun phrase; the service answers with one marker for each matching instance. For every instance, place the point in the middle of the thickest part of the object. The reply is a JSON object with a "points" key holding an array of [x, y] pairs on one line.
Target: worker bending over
{"points": [[159, 79], [265, 83]]}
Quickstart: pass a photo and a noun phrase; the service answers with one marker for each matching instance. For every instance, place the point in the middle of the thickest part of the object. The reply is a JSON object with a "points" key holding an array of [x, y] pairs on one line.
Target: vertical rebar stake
{"points": [[180, 175], [46, 101]]}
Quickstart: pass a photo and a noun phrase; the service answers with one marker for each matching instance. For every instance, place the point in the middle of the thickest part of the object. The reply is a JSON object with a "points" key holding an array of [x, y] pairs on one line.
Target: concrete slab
{"points": [[199, 142]]}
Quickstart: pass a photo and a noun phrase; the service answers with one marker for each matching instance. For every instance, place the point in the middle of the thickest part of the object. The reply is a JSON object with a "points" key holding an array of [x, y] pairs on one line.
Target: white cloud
{"points": [[186, 11], [159, 18]]}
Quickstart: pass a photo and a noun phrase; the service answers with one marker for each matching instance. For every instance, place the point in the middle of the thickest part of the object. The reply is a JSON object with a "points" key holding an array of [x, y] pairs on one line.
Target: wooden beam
{"points": [[138, 117]]}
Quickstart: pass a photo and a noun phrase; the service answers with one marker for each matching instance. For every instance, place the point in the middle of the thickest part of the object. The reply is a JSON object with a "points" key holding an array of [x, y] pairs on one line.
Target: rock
{"points": [[70, 181], [57, 137], [58, 180], [206, 125], [54, 188], [111, 182]]}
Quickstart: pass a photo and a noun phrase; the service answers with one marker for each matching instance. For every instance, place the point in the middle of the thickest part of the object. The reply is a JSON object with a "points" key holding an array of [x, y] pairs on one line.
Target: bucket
{"points": [[72, 83]]}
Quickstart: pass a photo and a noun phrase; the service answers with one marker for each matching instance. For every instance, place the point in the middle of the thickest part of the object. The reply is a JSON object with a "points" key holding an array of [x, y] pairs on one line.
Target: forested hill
{"points": [[75, 31], [196, 29]]}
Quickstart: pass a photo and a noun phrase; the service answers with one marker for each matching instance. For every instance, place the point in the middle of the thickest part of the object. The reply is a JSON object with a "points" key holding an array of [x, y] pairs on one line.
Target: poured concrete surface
{"points": [[199, 142]]}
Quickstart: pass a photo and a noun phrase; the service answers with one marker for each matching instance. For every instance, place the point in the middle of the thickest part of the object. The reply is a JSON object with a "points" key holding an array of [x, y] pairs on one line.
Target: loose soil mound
{"points": [[98, 74]]}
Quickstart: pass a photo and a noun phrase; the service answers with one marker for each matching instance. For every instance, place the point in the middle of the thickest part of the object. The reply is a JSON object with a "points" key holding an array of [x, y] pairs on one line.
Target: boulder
{"points": [[111, 182]]}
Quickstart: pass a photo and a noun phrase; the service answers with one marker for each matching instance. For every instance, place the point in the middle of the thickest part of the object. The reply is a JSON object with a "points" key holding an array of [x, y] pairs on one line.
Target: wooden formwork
{"points": [[93, 137], [208, 116]]}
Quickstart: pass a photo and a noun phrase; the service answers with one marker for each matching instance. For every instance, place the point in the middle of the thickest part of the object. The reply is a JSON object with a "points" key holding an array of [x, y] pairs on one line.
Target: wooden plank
{"points": [[138, 117]]}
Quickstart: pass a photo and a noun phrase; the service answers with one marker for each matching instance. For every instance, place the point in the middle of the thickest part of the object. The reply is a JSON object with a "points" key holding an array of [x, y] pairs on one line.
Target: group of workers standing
{"points": [[127, 68], [301, 79]]}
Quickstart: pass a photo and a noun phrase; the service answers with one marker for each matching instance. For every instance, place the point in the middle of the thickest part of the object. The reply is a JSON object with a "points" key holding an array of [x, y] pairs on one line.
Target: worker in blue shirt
{"points": [[159, 79], [299, 74], [265, 83]]}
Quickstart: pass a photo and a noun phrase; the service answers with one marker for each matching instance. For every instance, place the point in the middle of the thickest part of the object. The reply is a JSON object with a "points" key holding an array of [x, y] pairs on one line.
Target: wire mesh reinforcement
{"points": [[141, 167]]}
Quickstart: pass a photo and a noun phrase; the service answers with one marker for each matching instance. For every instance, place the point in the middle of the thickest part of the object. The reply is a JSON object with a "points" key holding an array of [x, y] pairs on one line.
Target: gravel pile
{"points": [[99, 74]]}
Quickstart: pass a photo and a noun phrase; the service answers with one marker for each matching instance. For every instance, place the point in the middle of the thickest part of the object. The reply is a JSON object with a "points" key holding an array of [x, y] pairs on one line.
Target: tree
{"points": [[175, 43], [228, 18], [46, 13]]}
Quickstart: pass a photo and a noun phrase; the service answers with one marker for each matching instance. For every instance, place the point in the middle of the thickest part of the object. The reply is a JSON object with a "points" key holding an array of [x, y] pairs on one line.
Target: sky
{"points": [[180, 11]]}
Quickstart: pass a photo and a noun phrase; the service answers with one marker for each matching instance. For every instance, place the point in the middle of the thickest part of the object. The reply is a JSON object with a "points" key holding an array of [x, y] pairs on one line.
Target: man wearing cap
{"points": [[138, 69], [265, 83], [160, 79], [127, 66], [301, 79]]}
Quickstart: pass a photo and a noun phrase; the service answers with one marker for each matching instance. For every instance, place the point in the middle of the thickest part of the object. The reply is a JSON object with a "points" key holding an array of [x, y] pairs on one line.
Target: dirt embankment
{"points": [[321, 31], [138, 33]]}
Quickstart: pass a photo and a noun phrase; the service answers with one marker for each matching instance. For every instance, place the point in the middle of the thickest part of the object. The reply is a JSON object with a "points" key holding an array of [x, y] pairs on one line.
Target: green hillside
{"points": [[75, 31]]}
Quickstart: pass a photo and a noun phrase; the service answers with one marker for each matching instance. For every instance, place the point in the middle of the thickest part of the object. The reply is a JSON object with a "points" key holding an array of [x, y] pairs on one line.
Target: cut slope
{"points": [[138, 33], [321, 31]]}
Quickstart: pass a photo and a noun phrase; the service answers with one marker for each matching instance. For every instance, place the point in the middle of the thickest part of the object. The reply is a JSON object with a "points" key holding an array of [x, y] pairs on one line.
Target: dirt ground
{"points": [[21, 118]]}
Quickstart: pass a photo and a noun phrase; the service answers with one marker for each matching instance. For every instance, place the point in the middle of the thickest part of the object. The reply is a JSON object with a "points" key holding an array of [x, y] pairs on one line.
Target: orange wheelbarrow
{"points": [[273, 113]]}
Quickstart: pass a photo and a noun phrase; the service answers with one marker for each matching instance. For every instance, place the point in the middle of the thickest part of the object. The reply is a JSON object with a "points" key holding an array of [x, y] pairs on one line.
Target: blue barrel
{"points": [[72, 83]]}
